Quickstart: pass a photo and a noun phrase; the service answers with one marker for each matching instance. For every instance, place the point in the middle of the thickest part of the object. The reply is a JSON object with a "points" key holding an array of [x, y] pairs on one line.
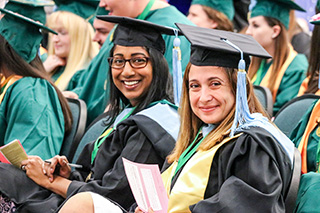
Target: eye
{"points": [[215, 84], [118, 61], [193, 86], [138, 61]]}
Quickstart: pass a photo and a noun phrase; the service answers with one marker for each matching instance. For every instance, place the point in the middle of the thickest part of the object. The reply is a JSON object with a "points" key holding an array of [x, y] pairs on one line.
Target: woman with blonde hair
{"points": [[72, 49], [284, 73]]}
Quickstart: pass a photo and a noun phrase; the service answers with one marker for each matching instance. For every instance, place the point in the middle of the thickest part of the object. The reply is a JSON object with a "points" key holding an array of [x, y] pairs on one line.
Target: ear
{"points": [[213, 24], [276, 31]]}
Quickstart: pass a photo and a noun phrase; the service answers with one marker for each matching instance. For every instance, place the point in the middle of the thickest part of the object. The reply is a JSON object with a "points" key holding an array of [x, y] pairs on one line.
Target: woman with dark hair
{"points": [[142, 127], [284, 73], [32, 109], [311, 83]]}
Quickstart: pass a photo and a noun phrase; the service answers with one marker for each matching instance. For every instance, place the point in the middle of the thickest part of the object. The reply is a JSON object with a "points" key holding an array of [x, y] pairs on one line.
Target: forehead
{"points": [[125, 50], [207, 72]]}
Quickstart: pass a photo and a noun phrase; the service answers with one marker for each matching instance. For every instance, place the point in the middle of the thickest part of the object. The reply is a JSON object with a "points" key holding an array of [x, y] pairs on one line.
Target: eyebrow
{"points": [[133, 54], [209, 79]]}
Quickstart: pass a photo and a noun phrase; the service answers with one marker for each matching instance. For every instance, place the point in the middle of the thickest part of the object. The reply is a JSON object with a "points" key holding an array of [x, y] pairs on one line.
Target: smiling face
{"points": [[61, 41], [210, 93], [133, 83]]}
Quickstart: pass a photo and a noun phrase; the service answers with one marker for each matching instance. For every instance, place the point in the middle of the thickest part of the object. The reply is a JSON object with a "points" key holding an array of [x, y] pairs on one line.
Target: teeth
{"points": [[129, 83]]}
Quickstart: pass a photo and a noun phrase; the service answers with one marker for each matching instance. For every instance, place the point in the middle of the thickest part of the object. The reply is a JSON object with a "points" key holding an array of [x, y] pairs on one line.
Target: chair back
{"points": [[290, 201], [79, 116], [92, 133], [290, 114], [265, 97]]}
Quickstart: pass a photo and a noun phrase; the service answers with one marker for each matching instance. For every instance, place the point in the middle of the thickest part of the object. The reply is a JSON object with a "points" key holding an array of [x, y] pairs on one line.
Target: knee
{"points": [[81, 202]]}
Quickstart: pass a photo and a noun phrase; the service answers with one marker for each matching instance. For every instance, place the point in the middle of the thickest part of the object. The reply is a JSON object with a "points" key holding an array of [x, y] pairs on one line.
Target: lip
{"points": [[132, 84], [208, 108]]}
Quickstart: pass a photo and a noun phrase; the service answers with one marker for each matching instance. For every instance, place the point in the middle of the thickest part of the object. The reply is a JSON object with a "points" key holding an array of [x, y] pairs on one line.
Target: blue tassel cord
{"points": [[177, 70]]}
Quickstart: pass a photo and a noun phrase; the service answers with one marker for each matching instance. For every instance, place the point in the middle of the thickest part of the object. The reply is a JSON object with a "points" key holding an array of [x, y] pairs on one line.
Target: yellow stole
{"points": [[192, 182], [265, 80], [6, 83], [304, 87], [312, 124]]}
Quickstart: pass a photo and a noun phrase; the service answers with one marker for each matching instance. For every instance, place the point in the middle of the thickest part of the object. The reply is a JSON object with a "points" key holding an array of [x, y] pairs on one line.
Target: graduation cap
{"points": [[136, 32], [210, 47], [278, 9], [83, 8], [35, 3], [21, 27], [224, 6], [315, 19]]}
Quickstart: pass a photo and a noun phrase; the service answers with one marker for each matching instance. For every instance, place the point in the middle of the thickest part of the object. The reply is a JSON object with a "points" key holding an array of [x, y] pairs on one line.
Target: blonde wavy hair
{"points": [[82, 48], [190, 123]]}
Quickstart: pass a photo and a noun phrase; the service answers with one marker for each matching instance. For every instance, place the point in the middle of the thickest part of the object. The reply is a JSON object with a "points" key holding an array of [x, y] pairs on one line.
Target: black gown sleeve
{"points": [[250, 174], [134, 140]]}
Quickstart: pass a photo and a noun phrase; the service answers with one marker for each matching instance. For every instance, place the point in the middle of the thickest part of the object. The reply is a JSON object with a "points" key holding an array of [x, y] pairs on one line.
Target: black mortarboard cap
{"points": [[209, 49], [135, 32]]}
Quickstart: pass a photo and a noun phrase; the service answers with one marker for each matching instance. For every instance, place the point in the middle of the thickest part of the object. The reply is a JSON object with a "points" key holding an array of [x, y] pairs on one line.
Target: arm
{"points": [[248, 178]]}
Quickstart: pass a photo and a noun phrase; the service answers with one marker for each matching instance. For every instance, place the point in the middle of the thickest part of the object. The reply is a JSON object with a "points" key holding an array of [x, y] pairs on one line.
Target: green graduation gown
{"points": [[291, 81], [93, 84], [308, 194], [31, 112]]}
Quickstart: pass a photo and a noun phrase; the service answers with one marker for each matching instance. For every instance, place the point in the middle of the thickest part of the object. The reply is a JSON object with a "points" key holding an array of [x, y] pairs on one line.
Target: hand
{"points": [[138, 210], [34, 170], [53, 62], [69, 94], [57, 161]]}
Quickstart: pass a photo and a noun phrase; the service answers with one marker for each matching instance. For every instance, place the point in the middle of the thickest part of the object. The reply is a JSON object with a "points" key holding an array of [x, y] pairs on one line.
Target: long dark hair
{"points": [[314, 62], [12, 61], [160, 87]]}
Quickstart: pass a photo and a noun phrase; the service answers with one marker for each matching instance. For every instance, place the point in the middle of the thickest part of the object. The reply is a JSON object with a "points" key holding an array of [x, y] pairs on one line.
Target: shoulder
{"points": [[164, 115], [300, 62]]}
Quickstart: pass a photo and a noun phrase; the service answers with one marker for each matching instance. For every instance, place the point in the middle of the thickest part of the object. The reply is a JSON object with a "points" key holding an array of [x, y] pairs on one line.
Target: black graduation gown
{"points": [[250, 173], [138, 138]]}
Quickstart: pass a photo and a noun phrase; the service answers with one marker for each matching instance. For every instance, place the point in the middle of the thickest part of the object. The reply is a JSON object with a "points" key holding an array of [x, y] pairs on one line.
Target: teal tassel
{"points": [[177, 70]]}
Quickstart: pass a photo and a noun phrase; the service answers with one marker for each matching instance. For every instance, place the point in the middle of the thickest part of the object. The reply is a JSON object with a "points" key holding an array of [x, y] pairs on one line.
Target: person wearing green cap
{"points": [[32, 110], [306, 135], [214, 14], [102, 28], [284, 73], [92, 85], [73, 48]]}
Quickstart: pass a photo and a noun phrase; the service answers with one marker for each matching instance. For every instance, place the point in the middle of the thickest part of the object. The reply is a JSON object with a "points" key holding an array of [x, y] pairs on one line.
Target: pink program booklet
{"points": [[147, 186]]}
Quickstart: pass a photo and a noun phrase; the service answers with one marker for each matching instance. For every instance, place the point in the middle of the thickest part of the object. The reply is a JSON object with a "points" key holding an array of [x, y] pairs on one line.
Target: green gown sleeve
{"points": [[31, 112], [291, 81]]}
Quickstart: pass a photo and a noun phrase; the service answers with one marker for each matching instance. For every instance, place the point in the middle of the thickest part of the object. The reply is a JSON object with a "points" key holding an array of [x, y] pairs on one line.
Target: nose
{"points": [[127, 70], [248, 31], [205, 95], [95, 37], [102, 3], [55, 37]]}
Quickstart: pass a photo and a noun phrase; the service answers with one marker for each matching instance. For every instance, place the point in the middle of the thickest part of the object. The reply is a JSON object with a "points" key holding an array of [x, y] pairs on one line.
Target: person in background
{"points": [[311, 83], [73, 48], [102, 28], [214, 14], [284, 73], [143, 127], [32, 110], [93, 84], [306, 138]]}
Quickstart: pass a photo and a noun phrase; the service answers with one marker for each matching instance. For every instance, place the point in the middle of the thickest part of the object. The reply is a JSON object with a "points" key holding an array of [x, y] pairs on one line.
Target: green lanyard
{"points": [[100, 140], [146, 10], [187, 154], [259, 73]]}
